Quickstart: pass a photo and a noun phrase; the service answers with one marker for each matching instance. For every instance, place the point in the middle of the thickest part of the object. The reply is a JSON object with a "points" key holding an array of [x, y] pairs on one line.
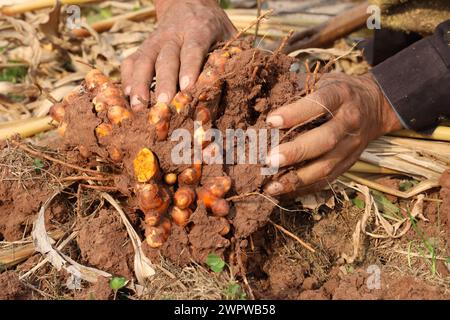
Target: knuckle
{"points": [[327, 168], [298, 153], [352, 117], [144, 53], [333, 140], [346, 89], [193, 43]]}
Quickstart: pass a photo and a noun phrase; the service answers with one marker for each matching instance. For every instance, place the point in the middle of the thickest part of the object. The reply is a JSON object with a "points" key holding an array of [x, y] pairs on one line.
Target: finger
{"points": [[126, 71], [143, 70], [191, 60], [311, 144], [167, 67], [325, 100], [321, 171]]}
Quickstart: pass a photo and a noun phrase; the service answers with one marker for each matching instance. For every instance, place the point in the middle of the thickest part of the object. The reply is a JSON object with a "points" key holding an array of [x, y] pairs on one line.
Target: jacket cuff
{"points": [[415, 81]]}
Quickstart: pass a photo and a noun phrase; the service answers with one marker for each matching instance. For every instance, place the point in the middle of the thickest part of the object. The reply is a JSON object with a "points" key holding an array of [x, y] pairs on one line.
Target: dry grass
{"points": [[193, 282]]}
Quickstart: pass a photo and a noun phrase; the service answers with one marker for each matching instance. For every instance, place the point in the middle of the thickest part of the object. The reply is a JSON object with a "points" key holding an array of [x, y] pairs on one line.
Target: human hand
{"points": [[360, 113], [176, 50]]}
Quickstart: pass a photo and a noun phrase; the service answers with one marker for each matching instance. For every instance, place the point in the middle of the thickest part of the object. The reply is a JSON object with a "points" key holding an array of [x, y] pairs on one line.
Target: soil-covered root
{"points": [[96, 121]]}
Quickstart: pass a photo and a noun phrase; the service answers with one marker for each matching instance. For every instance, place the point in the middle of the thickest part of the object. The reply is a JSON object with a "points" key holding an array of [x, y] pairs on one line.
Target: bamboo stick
{"points": [[26, 128], [419, 188], [440, 133], [36, 5], [331, 30], [11, 256], [364, 167], [427, 146], [107, 24], [423, 162], [399, 165]]}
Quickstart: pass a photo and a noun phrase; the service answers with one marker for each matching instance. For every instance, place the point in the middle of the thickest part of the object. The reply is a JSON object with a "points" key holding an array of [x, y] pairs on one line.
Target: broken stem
{"points": [[258, 14], [240, 33], [283, 42], [47, 157], [290, 234], [99, 188], [76, 178]]}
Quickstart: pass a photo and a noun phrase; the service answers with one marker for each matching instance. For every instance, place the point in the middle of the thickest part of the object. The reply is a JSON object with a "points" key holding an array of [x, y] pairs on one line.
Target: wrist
{"points": [[389, 120], [162, 6]]}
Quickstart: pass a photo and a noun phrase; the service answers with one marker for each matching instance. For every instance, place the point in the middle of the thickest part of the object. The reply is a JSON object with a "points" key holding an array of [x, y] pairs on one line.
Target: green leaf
{"points": [[448, 260], [359, 203], [407, 184], [215, 262], [235, 292], [349, 269], [38, 165], [13, 74], [384, 205], [117, 283], [95, 14]]}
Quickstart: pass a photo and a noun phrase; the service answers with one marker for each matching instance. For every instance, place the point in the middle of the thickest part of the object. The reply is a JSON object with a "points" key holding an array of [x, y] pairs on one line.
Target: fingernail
{"points": [[275, 160], [274, 188], [135, 101], [275, 121], [184, 82], [127, 90], [163, 97]]}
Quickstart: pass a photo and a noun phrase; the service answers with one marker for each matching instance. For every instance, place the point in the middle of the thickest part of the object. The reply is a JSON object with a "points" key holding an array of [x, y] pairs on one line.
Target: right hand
{"points": [[176, 50]]}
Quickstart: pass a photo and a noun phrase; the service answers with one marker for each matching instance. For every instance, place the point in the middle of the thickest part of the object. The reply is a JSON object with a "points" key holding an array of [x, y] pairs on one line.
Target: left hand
{"points": [[360, 113]]}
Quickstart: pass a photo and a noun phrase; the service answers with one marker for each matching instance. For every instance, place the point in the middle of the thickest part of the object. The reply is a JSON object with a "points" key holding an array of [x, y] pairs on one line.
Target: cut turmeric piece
{"points": [[145, 165]]}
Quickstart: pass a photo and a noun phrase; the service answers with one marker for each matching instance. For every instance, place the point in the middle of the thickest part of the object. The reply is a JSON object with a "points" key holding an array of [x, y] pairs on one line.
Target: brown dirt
{"points": [[445, 206], [289, 271], [18, 208], [97, 291], [104, 244], [11, 288]]}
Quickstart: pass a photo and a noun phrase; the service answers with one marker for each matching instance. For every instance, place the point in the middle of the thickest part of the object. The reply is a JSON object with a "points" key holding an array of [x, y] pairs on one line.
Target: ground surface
{"points": [[277, 266], [264, 263]]}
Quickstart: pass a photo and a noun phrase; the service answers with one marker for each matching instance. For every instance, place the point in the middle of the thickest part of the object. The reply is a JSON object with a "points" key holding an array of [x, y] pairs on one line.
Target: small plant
{"points": [[388, 209], [235, 292], [430, 248], [98, 14], [359, 203], [117, 283], [215, 263], [13, 74], [38, 165], [407, 184]]}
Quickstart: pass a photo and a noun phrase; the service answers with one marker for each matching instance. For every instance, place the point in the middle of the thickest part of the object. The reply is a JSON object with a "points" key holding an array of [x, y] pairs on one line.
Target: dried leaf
{"points": [[51, 27], [44, 244]]}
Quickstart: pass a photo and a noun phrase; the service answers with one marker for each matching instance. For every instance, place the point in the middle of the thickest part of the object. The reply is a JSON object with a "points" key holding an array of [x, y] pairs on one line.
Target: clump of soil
{"points": [[104, 244], [23, 189], [11, 288]]}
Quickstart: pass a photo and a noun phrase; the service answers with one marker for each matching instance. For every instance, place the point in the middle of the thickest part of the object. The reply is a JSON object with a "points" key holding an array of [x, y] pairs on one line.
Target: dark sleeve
{"points": [[416, 81]]}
